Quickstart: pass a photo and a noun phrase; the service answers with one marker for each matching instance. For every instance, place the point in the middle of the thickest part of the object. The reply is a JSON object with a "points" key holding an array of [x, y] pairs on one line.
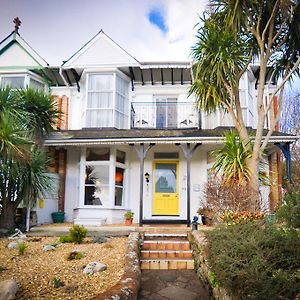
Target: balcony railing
{"points": [[161, 115]]}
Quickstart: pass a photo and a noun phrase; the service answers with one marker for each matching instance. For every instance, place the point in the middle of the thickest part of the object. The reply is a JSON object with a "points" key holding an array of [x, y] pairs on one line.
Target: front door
{"points": [[165, 200]]}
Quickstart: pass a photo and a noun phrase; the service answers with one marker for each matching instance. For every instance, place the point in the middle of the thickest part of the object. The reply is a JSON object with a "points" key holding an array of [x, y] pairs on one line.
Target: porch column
{"points": [[188, 153], [286, 150], [142, 152]]}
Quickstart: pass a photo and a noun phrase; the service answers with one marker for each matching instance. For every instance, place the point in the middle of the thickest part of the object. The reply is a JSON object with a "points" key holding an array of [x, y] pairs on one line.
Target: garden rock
{"points": [[12, 245], [8, 289], [48, 248], [94, 267]]}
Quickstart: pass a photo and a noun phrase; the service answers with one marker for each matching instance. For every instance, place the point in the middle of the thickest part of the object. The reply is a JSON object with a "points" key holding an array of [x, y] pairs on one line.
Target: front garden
{"points": [[52, 268]]}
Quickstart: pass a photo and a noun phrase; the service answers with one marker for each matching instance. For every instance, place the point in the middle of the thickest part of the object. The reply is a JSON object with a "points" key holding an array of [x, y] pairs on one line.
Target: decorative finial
{"points": [[18, 23]]}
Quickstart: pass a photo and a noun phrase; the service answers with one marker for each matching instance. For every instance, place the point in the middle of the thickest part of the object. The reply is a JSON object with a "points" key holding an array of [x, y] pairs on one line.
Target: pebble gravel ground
{"points": [[35, 270]]}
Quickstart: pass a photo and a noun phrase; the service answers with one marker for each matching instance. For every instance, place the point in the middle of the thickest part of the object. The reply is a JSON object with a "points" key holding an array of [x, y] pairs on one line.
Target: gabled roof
{"points": [[101, 51], [16, 53]]}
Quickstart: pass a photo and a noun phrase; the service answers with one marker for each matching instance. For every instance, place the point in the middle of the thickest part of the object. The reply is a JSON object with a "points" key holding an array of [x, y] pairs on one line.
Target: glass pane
{"points": [[119, 196], [13, 82], [165, 175], [98, 82], [97, 154], [160, 113], [172, 112], [119, 177], [36, 85], [96, 195], [97, 175], [121, 156]]}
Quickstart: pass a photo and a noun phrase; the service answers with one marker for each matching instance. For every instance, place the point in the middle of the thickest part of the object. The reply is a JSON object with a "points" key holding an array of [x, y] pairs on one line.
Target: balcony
{"points": [[161, 115]]}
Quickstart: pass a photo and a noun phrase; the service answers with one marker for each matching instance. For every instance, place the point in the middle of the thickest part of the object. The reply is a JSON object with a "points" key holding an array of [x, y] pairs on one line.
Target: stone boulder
{"points": [[12, 245], [8, 289], [94, 267], [48, 248]]}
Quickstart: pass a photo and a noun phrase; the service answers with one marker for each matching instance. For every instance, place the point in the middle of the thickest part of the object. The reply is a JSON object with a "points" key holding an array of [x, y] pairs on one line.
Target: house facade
{"points": [[130, 136]]}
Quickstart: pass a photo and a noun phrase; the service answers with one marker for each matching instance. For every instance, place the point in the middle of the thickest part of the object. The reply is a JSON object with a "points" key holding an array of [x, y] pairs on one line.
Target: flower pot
{"points": [[128, 222], [58, 217]]}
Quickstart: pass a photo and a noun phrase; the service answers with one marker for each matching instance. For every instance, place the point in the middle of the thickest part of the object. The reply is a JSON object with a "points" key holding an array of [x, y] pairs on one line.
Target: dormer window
{"points": [[107, 103]]}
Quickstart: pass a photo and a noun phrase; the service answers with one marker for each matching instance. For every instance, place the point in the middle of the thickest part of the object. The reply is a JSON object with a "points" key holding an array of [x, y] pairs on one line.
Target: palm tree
{"points": [[23, 121], [233, 34]]}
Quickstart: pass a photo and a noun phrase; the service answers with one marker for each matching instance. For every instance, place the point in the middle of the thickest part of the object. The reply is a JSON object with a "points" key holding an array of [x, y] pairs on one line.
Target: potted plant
{"points": [[58, 216], [128, 217]]}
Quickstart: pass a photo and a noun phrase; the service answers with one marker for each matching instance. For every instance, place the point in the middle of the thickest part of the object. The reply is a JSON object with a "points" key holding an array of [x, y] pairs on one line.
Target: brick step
{"points": [[166, 254], [167, 264], [165, 245], [165, 236]]}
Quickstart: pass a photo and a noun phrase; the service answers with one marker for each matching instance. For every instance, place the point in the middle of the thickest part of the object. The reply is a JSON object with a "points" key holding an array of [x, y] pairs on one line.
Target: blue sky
{"points": [[157, 18], [150, 30]]}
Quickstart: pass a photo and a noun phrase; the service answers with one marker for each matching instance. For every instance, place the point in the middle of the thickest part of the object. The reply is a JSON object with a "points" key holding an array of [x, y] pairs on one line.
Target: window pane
{"points": [[121, 156], [166, 155], [165, 175], [98, 82], [119, 178], [13, 82], [97, 154], [36, 85], [96, 185], [119, 196], [96, 195], [97, 175]]}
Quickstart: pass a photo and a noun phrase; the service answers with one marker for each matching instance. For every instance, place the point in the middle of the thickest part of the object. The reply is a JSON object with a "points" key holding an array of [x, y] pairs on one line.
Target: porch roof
{"points": [[97, 136]]}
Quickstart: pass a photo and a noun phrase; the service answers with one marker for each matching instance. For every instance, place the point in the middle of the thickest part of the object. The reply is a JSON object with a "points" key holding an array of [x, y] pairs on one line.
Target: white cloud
{"points": [[56, 28]]}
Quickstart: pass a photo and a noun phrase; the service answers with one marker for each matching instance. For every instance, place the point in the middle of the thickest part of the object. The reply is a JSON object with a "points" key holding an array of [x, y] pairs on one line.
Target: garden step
{"points": [[167, 264], [167, 254], [165, 245], [165, 236]]}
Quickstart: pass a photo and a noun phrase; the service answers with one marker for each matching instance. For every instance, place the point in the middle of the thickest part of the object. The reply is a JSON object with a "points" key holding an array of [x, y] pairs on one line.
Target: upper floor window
{"points": [[107, 101], [15, 82]]}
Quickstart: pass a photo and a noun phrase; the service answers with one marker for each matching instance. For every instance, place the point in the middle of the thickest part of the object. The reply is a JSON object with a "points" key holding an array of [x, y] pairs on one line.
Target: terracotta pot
{"points": [[128, 222]]}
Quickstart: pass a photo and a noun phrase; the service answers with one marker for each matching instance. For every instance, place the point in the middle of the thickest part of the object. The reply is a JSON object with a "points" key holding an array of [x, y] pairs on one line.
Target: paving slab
{"points": [[171, 285]]}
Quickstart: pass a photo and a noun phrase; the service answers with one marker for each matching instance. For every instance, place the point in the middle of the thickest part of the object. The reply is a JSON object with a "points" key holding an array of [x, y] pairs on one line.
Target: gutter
{"points": [[162, 140]]}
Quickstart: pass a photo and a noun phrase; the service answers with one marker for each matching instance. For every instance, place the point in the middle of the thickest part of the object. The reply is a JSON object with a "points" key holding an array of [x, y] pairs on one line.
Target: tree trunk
{"points": [[7, 216], [253, 165], [28, 216]]}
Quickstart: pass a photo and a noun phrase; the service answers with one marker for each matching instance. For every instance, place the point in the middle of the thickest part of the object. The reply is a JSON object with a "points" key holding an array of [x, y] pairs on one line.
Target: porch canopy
{"points": [[143, 139]]}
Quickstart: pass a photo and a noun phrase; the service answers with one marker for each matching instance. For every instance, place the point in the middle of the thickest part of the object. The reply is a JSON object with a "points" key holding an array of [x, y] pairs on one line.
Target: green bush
{"points": [[75, 255], [255, 262], [21, 246], [57, 282], [290, 209], [78, 233], [65, 239]]}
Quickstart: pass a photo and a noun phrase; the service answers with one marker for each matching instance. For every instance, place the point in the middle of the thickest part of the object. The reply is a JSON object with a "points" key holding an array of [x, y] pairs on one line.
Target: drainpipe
{"points": [[62, 76]]}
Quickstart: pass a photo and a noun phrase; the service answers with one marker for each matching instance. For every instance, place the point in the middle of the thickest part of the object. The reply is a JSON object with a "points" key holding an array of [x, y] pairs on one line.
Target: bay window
{"points": [[104, 177], [107, 103]]}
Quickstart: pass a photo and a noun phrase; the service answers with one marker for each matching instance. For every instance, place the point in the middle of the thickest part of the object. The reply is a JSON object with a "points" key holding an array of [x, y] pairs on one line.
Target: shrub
{"points": [[21, 246], [57, 282], [290, 209], [242, 217], [78, 233], [255, 262], [65, 239], [75, 255]]}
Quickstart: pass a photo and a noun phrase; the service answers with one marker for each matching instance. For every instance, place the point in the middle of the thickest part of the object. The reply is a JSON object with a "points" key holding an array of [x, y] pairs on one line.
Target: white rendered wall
{"points": [[72, 182]]}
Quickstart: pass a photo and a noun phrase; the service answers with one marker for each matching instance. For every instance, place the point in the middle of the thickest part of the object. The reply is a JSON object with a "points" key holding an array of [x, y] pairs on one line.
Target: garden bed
{"points": [[35, 270]]}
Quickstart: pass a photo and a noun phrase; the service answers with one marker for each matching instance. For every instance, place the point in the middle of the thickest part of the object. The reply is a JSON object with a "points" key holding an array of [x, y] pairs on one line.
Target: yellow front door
{"points": [[165, 200]]}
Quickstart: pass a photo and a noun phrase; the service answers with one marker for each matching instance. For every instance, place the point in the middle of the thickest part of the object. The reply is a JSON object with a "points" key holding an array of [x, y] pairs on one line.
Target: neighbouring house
{"points": [[130, 138]]}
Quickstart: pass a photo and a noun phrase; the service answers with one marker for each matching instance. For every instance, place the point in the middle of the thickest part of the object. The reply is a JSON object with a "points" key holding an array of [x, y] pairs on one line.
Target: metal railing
{"points": [[160, 115]]}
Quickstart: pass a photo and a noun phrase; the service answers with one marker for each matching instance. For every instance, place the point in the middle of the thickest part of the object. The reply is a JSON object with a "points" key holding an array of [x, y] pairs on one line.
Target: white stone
{"points": [[12, 245], [48, 248], [94, 267], [8, 289]]}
